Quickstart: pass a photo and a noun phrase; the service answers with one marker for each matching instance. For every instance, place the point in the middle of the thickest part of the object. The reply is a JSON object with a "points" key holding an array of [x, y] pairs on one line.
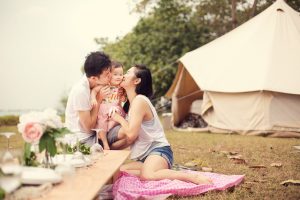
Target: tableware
{"points": [[7, 155], [69, 158], [38, 175], [9, 183]]}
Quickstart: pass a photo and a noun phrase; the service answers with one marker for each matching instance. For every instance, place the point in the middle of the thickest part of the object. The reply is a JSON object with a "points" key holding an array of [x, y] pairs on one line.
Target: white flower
{"points": [[47, 119], [51, 119]]}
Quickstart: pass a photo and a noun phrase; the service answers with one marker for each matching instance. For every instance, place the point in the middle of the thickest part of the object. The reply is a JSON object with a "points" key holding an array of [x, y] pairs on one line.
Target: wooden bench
{"points": [[87, 181]]}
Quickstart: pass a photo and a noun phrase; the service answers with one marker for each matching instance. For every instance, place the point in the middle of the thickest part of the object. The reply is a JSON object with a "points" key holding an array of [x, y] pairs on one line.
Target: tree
{"points": [[158, 40], [170, 28]]}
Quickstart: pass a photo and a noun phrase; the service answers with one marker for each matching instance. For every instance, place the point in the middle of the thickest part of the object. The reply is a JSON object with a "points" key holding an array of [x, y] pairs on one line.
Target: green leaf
{"points": [[43, 142], [51, 147], [48, 143], [29, 156], [2, 193], [55, 133], [27, 147]]}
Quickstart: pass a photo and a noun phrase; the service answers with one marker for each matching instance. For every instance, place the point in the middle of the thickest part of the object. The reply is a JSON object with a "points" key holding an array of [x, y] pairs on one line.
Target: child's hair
{"points": [[115, 64]]}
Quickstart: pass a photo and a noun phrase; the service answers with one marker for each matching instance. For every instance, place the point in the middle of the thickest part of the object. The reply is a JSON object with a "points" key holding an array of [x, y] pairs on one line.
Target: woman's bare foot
{"points": [[200, 179]]}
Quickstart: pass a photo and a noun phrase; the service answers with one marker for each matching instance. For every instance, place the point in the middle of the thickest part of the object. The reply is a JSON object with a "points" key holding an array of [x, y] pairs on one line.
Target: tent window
{"points": [[280, 10]]}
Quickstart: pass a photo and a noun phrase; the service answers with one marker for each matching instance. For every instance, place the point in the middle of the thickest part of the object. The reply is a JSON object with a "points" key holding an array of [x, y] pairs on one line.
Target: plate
{"points": [[9, 183], [38, 175], [59, 159], [11, 168]]}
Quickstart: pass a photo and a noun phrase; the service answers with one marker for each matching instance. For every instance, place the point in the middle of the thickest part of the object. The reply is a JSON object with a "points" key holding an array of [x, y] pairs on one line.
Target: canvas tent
{"points": [[248, 79]]}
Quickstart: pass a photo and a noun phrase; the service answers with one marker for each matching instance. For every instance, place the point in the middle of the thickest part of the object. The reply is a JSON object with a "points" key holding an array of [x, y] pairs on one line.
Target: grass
{"points": [[260, 183]]}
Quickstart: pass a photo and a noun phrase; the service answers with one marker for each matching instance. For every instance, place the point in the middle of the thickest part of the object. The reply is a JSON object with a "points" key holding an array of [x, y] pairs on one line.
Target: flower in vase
{"points": [[41, 128], [32, 132]]}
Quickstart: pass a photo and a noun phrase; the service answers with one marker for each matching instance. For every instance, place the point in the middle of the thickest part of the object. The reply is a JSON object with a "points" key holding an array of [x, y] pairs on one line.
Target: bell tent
{"points": [[248, 79]]}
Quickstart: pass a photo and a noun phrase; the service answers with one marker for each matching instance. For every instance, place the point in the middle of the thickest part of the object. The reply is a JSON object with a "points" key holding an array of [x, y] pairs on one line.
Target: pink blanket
{"points": [[131, 187]]}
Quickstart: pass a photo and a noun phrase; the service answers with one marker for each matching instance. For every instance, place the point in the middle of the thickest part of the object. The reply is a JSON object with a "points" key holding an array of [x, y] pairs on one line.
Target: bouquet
{"points": [[41, 128]]}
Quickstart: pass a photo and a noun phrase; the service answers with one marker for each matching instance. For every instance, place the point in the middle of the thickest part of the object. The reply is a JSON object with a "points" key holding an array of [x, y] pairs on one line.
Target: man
{"points": [[80, 115]]}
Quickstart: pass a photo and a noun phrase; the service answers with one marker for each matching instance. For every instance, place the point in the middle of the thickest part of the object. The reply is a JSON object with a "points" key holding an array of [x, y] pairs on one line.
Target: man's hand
{"points": [[94, 102], [94, 95], [104, 92]]}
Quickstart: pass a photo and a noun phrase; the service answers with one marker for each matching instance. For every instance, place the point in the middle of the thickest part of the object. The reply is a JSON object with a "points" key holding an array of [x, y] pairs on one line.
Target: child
{"points": [[110, 104]]}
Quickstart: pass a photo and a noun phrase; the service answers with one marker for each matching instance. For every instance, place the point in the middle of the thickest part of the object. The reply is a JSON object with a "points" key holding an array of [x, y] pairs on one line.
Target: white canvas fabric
{"points": [[259, 55], [253, 111], [248, 78]]}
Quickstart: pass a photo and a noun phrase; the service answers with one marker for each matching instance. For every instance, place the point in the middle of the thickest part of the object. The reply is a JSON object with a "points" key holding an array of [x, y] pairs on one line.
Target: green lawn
{"points": [[210, 149], [260, 183]]}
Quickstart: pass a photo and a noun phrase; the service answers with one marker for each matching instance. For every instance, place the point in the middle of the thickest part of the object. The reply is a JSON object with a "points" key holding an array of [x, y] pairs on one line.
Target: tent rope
{"points": [[159, 109]]}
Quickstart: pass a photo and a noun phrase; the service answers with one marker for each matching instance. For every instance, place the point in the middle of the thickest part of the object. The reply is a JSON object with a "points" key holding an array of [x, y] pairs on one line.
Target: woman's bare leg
{"points": [[133, 168], [156, 168]]}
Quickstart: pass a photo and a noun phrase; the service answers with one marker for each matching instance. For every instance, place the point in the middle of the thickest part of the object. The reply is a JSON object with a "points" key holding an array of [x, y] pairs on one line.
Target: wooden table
{"points": [[87, 181]]}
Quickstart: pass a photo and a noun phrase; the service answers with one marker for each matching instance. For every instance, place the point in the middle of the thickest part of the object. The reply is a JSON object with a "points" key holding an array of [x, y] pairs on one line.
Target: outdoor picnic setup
{"points": [[207, 107], [76, 167]]}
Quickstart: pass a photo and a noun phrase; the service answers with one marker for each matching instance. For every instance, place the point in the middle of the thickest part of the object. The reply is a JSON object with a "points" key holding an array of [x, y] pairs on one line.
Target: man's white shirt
{"points": [[78, 100]]}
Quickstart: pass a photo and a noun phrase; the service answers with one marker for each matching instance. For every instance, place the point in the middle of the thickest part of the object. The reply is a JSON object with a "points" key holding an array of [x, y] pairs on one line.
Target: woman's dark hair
{"points": [[145, 86], [96, 63]]}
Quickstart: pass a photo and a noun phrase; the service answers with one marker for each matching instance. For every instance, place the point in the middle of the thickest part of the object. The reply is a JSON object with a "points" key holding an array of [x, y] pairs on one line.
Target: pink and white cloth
{"points": [[129, 187]]}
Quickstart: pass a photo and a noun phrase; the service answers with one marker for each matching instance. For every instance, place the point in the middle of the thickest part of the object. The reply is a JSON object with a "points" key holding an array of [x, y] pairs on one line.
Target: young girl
{"points": [[112, 103]]}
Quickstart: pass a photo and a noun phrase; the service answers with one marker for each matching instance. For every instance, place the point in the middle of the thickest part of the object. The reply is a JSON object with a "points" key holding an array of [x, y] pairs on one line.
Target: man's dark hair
{"points": [[95, 63]]}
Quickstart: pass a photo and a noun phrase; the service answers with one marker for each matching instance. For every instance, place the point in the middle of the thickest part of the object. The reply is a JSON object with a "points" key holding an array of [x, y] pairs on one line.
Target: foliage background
{"points": [[170, 28]]}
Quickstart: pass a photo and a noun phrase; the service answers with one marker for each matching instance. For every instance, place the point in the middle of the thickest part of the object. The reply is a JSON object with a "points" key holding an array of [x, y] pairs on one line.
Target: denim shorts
{"points": [[165, 152]]}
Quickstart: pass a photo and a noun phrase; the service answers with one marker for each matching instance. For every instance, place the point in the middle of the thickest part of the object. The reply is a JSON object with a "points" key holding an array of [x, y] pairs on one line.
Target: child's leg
{"points": [[102, 136], [111, 123]]}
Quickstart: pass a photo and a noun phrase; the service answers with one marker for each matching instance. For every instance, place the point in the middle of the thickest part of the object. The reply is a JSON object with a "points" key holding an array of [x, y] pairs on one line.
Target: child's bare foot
{"points": [[106, 147], [199, 179]]}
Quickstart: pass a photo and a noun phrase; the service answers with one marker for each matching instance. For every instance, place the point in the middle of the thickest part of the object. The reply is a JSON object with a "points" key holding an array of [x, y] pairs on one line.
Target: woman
{"points": [[149, 147]]}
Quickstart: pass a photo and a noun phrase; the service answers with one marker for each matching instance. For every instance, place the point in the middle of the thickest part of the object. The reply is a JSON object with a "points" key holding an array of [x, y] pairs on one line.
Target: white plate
{"points": [[38, 175], [59, 159], [11, 168], [9, 183]]}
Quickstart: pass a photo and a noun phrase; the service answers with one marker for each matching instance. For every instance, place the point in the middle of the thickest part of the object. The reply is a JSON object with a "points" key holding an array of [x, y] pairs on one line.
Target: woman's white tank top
{"points": [[151, 135]]}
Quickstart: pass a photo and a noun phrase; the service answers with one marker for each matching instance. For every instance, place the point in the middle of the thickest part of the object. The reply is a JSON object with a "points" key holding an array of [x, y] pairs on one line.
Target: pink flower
{"points": [[32, 132]]}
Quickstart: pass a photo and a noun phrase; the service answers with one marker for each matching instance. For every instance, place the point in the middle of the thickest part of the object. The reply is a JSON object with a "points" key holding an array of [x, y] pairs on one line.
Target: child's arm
{"points": [[94, 93]]}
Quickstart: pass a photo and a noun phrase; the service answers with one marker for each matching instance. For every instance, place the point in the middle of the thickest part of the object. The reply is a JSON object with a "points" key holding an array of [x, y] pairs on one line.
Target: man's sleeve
{"points": [[81, 100]]}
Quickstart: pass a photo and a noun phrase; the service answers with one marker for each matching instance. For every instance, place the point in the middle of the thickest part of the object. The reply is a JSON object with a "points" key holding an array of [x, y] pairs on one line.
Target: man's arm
{"points": [[94, 93], [88, 119]]}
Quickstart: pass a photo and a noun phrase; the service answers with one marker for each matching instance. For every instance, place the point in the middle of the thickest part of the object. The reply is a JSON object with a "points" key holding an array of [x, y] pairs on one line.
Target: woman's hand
{"points": [[116, 116], [122, 94]]}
